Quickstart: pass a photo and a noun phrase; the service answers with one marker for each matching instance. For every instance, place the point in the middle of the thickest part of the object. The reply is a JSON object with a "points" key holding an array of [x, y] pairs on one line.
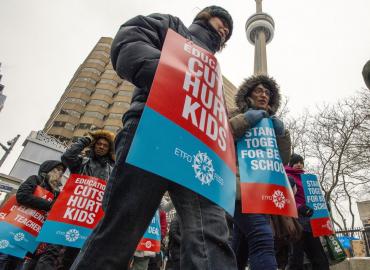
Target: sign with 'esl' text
{"points": [[264, 185], [183, 134], [320, 220], [75, 213]]}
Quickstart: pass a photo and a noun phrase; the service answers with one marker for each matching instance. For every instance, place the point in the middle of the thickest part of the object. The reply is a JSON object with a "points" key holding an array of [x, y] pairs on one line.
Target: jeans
{"points": [[131, 198], [253, 240], [313, 249]]}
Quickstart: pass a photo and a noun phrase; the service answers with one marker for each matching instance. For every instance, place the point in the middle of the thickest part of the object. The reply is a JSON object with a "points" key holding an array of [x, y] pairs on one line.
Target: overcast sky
{"points": [[317, 54]]}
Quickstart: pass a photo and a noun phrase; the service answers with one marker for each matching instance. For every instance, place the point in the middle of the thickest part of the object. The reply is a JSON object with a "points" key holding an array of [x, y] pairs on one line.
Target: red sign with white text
{"points": [[7, 207], [195, 94], [28, 219], [80, 201]]}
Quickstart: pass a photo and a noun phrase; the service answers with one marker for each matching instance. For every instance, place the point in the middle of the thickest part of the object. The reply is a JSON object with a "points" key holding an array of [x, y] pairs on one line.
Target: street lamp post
{"points": [[7, 150]]}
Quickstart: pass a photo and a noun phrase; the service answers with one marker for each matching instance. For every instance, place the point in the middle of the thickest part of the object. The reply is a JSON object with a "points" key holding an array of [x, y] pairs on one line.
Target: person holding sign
{"points": [[258, 97], [49, 178], [133, 194], [97, 163], [308, 243]]}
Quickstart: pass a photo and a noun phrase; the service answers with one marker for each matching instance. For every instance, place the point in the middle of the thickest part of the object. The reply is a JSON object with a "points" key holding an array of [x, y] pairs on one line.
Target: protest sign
{"points": [[264, 184], [21, 225], [320, 220], [75, 213], [183, 134], [151, 240]]}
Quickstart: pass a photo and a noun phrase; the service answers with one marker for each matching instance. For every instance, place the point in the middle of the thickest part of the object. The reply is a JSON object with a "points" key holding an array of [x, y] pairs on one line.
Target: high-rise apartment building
{"points": [[96, 98]]}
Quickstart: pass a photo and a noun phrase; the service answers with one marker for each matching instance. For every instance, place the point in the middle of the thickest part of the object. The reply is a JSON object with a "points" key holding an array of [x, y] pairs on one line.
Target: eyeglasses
{"points": [[260, 91]]}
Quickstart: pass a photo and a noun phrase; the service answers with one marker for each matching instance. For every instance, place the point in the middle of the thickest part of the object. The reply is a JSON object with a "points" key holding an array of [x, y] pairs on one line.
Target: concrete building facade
{"points": [[96, 98]]}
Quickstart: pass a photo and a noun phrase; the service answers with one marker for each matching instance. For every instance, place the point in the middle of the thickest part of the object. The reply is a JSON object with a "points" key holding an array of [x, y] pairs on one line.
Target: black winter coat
{"points": [[25, 192], [100, 167], [136, 50]]}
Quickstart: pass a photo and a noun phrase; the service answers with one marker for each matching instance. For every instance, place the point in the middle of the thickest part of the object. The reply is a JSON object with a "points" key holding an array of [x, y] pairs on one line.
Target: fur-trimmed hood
{"points": [[105, 134], [243, 103]]}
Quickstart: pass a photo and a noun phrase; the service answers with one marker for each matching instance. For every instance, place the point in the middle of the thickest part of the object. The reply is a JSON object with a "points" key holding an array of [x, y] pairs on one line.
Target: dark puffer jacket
{"points": [[93, 165], [136, 50], [25, 192]]}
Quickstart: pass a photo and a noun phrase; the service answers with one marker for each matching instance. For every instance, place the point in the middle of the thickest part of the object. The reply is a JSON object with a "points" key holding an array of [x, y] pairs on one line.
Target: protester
{"points": [[49, 177], [258, 97], [133, 195], [98, 162], [142, 258], [308, 244]]}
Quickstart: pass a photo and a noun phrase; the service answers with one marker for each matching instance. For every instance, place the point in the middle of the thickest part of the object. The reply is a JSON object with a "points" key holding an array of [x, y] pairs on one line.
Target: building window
{"points": [[69, 126], [111, 82], [93, 70], [105, 45], [102, 103], [112, 128], [84, 126], [104, 92], [81, 90], [97, 115], [96, 61], [82, 79], [58, 124], [124, 93], [121, 104], [103, 53], [70, 113], [76, 101], [115, 116]]}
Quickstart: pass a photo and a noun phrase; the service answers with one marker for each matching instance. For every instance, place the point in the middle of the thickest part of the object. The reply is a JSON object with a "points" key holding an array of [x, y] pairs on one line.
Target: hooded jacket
{"points": [[25, 192], [239, 124], [136, 50], [91, 165]]}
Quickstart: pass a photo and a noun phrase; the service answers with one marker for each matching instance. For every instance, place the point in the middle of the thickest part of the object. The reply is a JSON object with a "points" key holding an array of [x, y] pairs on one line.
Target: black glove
{"points": [[305, 211]]}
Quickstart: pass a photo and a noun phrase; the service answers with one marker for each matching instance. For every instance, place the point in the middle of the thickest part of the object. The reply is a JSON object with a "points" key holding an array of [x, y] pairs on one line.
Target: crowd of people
{"points": [[201, 235]]}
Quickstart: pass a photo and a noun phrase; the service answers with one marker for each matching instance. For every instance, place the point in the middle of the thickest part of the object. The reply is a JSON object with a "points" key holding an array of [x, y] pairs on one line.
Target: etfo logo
{"points": [[72, 235], [203, 168], [19, 236], [277, 198], [148, 244], [4, 244]]}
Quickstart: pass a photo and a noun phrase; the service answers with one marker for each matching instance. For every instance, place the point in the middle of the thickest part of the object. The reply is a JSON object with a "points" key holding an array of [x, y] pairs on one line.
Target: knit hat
{"points": [[294, 159], [216, 11]]}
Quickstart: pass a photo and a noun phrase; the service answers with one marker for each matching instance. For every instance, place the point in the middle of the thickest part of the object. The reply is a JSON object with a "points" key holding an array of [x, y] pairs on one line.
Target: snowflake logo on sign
{"points": [[148, 244], [72, 235], [203, 168], [4, 244], [279, 199], [19, 236], [329, 225]]}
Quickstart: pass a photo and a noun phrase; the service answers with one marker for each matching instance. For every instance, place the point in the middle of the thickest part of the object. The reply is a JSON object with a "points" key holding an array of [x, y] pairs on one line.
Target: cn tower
{"points": [[260, 31]]}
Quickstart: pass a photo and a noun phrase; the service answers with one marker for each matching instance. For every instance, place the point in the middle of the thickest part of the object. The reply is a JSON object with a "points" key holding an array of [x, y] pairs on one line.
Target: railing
{"points": [[360, 233]]}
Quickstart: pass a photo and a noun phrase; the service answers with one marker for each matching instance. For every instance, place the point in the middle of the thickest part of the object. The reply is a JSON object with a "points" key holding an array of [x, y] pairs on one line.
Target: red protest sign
{"points": [[28, 219], [10, 204], [195, 94], [80, 201]]}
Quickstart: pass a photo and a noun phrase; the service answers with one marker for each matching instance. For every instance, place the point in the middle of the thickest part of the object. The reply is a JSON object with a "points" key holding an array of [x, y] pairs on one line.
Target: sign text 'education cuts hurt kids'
{"points": [[262, 159], [204, 102], [315, 196], [85, 202]]}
